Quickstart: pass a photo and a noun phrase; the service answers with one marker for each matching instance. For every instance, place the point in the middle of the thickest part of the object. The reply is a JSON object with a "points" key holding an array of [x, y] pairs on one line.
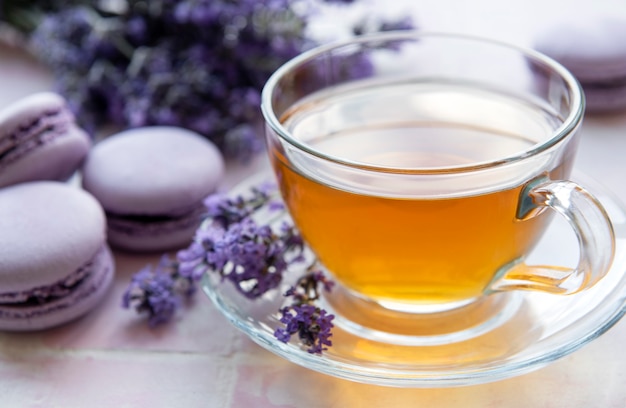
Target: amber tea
{"points": [[420, 247]]}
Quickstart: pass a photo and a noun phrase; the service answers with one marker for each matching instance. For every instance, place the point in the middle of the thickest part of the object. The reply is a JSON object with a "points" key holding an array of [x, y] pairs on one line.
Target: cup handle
{"points": [[593, 229]]}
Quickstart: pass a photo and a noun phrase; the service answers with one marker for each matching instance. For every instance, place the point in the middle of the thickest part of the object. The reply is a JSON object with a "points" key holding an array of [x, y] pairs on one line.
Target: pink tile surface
{"points": [[121, 379]]}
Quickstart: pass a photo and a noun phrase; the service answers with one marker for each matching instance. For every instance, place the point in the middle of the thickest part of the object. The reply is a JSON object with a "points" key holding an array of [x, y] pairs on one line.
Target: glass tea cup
{"points": [[423, 168]]}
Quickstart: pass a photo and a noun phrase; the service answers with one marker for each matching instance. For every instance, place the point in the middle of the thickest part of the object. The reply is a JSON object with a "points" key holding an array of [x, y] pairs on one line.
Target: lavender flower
{"points": [[226, 211], [253, 257], [153, 291], [312, 324]]}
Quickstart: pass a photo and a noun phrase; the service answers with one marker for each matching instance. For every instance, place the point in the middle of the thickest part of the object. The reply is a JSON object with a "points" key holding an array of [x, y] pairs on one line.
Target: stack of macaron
{"points": [[594, 50], [55, 264], [142, 190]]}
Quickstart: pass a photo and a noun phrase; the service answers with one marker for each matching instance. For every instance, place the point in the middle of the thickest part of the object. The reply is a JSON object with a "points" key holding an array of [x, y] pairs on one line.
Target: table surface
{"points": [[110, 357]]}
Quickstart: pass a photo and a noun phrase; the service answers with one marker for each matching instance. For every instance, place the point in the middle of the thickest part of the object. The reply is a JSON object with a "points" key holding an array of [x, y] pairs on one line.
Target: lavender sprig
{"points": [[230, 242], [225, 210], [253, 257], [312, 324], [250, 256], [158, 291]]}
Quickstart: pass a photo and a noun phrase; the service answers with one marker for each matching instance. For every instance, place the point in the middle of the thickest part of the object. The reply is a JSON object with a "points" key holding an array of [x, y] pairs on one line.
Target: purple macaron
{"points": [[54, 262], [151, 182], [39, 140], [594, 50]]}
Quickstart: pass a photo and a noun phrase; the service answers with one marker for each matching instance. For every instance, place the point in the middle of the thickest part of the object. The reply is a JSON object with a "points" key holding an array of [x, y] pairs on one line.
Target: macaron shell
{"points": [[593, 49], [87, 295], [27, 110], [48, 230], [56, 159], [152, 170]]}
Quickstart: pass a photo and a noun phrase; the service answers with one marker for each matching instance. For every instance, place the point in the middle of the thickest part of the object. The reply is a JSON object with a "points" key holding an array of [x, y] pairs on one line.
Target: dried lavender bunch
{"points": [[250, 256], [199, 64]]}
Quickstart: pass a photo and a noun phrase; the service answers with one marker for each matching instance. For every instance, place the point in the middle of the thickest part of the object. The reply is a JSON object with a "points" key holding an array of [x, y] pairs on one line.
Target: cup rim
{"points": [[570, 123]]}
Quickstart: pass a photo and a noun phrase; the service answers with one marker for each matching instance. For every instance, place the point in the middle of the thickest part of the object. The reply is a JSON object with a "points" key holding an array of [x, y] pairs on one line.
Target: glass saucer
{"points": [[540, 328]]}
